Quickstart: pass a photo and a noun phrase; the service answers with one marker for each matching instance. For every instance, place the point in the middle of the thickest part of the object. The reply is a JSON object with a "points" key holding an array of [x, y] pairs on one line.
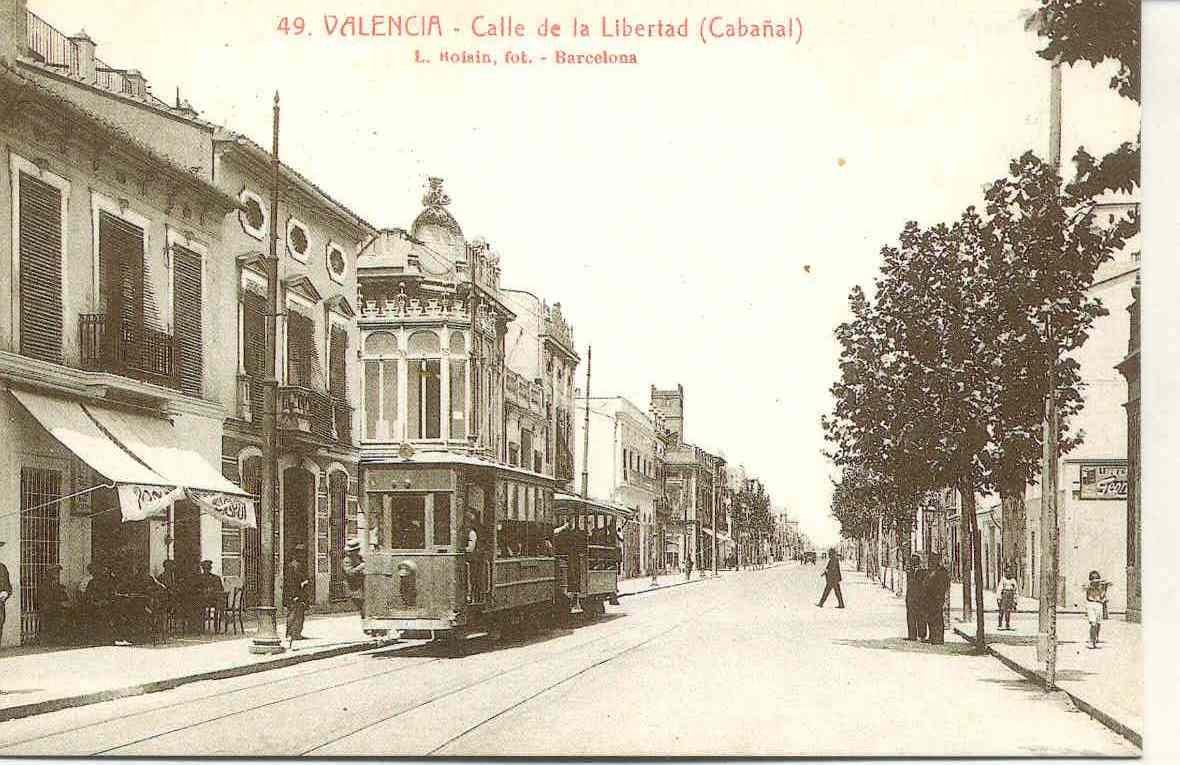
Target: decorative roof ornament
{"points": [[435, 201], [435, 196]]}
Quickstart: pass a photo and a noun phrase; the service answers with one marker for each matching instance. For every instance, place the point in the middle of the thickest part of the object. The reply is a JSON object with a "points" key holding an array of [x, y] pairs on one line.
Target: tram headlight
{"points": [[407, 582]]}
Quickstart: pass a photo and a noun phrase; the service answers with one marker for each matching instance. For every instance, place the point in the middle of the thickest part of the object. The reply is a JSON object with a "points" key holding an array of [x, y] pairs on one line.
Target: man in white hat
{"points": [[354, 575], [5, 592]]}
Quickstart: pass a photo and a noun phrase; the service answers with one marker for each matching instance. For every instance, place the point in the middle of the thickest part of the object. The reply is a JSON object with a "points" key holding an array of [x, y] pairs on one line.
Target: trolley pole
{"points": [[266, 640], [586, 430]]}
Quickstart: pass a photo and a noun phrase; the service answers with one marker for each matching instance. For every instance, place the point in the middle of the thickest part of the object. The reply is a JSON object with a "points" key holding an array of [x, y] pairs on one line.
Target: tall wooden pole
{"points": [[266, 640], [586, 430], [1047, 611]]}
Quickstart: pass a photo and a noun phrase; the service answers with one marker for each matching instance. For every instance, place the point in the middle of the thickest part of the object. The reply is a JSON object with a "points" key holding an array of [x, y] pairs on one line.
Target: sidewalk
{"points": [[1106, 683], [38, 681], [641, 584]]}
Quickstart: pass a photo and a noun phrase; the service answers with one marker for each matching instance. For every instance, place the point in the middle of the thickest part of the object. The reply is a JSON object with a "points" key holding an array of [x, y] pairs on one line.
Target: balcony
{"points": [[314, 415], [136, 351]]}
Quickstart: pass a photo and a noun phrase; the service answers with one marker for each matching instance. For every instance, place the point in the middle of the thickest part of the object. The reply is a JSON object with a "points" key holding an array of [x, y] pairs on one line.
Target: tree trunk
{"points": [[968, 491], [1014, 534], [965, 561]]}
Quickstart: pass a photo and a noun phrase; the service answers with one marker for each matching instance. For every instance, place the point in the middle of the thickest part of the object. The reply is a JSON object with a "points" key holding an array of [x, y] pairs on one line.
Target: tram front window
{"points": [[407, 526]]}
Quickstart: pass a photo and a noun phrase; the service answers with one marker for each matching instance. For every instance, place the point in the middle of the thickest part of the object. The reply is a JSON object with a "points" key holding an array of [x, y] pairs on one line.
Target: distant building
{"points": [[626, 467], [693, 480]]}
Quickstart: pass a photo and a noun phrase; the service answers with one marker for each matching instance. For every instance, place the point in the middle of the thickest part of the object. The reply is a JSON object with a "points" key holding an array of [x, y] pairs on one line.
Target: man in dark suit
{"points": [[296, 589], [5, 592], [915, 601], [832, 576], [935, 586]]}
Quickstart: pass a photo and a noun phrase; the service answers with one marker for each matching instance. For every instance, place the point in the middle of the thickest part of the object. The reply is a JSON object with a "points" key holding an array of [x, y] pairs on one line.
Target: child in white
{"points": [[1095, 599]]}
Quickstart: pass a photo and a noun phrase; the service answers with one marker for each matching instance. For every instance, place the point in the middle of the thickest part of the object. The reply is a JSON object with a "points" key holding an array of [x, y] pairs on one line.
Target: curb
{"points": [[659, 587], [1106, 719], [97, 697]]}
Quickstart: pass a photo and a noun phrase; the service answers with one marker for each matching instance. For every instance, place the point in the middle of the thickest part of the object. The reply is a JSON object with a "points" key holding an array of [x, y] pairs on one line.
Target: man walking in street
{"points": [[688, 569], [936, 584], [915, 617], [353, 566], [832, 576]]}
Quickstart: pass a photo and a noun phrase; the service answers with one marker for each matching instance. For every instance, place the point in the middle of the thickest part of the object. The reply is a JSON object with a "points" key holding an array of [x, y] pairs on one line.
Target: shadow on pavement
{"points": [[911, 646], [515, 637]]}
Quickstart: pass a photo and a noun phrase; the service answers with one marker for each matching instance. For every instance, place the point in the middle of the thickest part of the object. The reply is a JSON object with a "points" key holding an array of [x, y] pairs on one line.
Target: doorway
{"points": [[186, 536], [299, 521]]}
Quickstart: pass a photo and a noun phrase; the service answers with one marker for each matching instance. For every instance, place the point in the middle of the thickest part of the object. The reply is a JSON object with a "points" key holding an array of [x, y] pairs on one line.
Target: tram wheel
{"points": [[594, 608]]}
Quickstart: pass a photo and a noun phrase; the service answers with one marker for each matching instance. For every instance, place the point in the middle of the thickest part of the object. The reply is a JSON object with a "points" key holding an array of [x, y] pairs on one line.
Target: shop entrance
{"points": [[114, 542], [299, 520], [186, 536]]}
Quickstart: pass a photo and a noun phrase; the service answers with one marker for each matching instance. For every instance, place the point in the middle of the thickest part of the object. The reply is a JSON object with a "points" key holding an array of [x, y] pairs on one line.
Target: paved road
{"points": [[742, 665]]}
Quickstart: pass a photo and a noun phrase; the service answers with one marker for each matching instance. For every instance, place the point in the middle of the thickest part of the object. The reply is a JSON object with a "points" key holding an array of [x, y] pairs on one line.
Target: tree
{"points": [[1042, 250], [1093, 32]]}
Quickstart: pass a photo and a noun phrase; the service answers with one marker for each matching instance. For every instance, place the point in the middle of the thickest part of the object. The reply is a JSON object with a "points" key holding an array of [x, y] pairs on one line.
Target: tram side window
{"points": [[376, 510], [408, 524], [442, 519]]}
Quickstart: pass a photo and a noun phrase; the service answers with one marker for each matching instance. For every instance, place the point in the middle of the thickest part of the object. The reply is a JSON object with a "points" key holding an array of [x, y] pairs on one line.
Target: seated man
{"points": [[211, 588], [53, 602]]}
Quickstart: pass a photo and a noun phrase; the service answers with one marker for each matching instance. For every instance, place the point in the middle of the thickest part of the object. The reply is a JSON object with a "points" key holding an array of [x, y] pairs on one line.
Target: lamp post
{"points": [[266, 639]]}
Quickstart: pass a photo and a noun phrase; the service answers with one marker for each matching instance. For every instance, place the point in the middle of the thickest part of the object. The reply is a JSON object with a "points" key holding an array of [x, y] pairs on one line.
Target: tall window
{"points": [[40, 523], [40, 231], [458, 382], [424, 386], [526, 449], [186, 317], [381, 387], [302, 360], [123, 290]]}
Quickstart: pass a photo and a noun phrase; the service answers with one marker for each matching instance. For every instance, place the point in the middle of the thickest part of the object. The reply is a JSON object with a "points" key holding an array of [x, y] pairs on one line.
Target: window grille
{"points": [[40, 534]]}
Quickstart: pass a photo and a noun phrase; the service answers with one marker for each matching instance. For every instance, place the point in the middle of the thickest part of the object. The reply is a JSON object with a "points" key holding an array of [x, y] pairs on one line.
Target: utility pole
{"points": [[716, 500], [266, 640], [586, 430], [1047, 611]]}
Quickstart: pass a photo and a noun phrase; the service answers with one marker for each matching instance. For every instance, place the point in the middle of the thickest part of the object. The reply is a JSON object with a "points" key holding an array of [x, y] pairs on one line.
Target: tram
{"points": [[457, 546]]}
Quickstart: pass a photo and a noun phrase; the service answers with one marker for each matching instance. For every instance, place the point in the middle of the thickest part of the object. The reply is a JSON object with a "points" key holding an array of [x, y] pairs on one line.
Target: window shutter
{"points": [[186, 317], [120, 257], [338, 365], [300, 349], [254, 334], [40, 270]]}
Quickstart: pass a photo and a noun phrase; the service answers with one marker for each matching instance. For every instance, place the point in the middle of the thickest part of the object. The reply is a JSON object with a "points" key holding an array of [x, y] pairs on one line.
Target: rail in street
{"points": [[750, 659]]}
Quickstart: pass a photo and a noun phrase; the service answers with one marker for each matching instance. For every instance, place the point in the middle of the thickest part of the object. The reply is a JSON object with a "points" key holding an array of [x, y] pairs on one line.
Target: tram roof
{"points": [[591, 505], [449, 458]]}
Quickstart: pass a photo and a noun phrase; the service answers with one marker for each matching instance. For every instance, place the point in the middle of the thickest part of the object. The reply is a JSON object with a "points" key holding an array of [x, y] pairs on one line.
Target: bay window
{"points": [[381, 361]]}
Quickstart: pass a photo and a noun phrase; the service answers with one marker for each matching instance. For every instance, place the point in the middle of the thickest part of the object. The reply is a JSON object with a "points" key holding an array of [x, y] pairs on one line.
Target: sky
{"points": [[701, 215]]}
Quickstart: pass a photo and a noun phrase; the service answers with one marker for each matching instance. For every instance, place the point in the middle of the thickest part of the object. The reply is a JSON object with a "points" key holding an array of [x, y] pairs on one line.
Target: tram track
{"points": [[330, 687], [516, 704], [119, 736], [301, 677]]}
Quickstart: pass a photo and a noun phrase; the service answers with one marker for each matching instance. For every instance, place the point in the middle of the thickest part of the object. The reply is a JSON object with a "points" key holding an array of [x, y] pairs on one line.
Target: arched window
{"points": [[381, 387], [458, 370], [424, 386]]}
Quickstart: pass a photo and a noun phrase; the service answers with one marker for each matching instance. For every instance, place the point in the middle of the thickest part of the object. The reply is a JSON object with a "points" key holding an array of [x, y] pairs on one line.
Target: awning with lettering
{"points": [[157, 444], [141, 457]]}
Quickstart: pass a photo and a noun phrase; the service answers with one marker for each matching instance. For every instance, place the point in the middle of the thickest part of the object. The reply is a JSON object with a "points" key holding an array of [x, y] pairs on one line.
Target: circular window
{"points": [[297, 242], [337, 265], [252, 216]]}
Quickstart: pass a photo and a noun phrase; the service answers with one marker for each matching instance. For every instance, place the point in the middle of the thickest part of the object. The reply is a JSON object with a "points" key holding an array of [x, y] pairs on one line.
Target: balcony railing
{"points": [[137, 351], [307, 411]]}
